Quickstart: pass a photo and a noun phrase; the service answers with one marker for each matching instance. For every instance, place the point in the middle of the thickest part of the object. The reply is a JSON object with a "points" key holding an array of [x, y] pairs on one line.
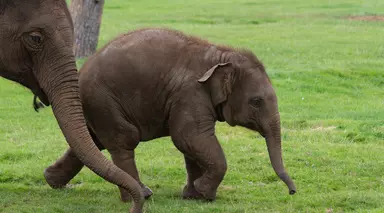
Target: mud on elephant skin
{"points": [[151, 83], [36, 40]]}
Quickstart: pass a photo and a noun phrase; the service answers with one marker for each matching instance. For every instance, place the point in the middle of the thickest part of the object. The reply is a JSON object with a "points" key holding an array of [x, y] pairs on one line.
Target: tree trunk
{"points": [[86, 15]]}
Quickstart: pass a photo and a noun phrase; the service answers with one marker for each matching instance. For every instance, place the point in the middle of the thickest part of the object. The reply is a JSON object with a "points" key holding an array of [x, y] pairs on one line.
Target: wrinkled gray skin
{"points": [[157, 82], [36, 39]]}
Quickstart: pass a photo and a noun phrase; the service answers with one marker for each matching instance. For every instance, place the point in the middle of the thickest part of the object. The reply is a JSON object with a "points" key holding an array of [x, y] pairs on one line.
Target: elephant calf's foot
{"points": [[55, 178], [126, 197], [189, 192], [205, 190]]}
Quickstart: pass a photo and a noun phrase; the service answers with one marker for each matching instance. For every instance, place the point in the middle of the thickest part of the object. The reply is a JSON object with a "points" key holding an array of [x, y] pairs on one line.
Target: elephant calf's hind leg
{"points": [[121, 138], [67, 167], [125, 159], [63, 170]]}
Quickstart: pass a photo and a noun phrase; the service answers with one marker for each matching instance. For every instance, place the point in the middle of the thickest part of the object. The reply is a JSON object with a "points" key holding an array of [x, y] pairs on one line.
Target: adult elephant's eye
{"points": [[36, 37], [33, 41], [255, 102]]}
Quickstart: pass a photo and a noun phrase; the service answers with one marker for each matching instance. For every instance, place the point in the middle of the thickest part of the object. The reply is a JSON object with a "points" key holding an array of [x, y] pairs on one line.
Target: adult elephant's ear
{"points": [[220, 79]]}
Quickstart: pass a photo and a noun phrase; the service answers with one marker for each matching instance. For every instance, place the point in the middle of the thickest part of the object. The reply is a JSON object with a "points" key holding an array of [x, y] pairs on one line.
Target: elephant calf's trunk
{"points": [[287, 180], [273, 140], [274, 149]]}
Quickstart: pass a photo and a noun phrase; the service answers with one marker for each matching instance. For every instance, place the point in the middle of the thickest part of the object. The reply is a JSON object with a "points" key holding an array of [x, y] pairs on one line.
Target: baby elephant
{"points": [[152, 83]]}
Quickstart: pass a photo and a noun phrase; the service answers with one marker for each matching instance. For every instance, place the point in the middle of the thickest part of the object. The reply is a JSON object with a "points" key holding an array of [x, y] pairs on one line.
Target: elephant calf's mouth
{"points": [[43, 99], [37, 104]]}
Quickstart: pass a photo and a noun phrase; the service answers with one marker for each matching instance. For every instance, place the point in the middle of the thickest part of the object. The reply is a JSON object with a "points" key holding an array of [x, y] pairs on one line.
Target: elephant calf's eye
{"points": [[255, 102]]}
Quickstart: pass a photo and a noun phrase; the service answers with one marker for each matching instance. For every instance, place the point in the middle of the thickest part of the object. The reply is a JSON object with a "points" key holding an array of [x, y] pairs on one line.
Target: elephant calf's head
{"points": [[243, 95]]}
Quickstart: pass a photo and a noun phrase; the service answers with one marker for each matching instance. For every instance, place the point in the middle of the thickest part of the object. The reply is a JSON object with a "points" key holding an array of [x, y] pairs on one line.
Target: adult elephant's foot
{"points": [[205, 190], [189, 192], [126, 197]]}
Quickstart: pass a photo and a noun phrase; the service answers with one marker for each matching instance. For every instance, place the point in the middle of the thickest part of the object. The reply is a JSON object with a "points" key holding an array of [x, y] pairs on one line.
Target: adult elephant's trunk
{"points": [[63, 93], [273, 139]]}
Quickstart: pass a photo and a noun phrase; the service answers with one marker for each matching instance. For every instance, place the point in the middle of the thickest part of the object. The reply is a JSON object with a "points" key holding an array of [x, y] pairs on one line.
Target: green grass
{"points": [[329, 76]]}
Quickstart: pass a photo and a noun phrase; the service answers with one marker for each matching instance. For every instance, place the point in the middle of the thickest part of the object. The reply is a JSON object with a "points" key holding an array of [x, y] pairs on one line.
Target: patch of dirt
{"points": [[366, 18], [321, 128], [227, 187], [72, 186]]}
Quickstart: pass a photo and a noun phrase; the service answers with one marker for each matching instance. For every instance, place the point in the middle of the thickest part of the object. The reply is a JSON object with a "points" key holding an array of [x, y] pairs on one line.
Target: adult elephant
{"points": [[36, 39]]}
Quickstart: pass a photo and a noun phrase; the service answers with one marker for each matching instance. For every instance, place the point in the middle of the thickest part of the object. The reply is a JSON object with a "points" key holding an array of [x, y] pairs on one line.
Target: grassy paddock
{"points": [[328, 72]]}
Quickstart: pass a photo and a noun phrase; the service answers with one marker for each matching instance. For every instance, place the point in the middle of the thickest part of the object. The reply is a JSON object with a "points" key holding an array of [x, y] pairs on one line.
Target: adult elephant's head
{"points": [[243, 95], [36, 40]]}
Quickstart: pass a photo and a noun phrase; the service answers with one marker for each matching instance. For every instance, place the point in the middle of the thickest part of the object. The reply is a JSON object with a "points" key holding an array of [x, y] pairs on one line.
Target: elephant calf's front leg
{"points": [[207, 152], [194, 171], [211, 156]]}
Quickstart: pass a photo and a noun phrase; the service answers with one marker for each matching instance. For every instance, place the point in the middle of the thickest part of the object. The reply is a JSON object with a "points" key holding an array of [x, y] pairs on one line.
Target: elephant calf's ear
{"points": [[220, 84], [210, 72]]}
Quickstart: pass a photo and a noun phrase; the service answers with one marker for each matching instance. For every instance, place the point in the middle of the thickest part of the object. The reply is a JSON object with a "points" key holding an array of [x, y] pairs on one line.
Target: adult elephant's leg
{"points": [[67, 167], [194, 171]]}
